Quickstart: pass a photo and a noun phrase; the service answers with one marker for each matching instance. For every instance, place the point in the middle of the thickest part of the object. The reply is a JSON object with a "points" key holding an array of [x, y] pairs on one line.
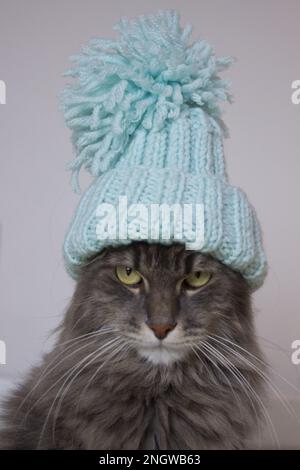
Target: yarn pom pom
{"points": [[144, 78]]}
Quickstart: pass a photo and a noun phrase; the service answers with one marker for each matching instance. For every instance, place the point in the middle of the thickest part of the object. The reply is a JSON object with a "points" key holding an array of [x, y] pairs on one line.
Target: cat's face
{"points": [[162, 300]]}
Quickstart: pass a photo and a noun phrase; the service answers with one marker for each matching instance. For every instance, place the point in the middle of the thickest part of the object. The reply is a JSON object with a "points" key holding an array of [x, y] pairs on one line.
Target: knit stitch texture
{"points": [[146, 123]]}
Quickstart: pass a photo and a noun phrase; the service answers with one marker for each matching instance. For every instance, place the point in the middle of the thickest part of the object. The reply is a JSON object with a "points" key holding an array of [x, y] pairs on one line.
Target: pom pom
{"points": [[144, 78]]}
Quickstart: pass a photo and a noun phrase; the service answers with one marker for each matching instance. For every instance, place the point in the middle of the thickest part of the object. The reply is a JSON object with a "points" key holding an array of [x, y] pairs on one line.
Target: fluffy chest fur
{"points": [[183, 413]]}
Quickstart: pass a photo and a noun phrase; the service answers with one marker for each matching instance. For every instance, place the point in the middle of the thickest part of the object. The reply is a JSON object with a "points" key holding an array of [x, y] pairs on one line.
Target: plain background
{"points": [[36, 201]]}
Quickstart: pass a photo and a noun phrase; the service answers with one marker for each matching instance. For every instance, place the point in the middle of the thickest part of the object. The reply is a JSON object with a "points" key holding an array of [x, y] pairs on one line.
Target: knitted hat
{"points": [[145, 121]]}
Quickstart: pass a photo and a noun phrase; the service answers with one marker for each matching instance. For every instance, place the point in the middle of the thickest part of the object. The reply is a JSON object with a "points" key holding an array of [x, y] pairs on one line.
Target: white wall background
{"points": [[36, 201]]}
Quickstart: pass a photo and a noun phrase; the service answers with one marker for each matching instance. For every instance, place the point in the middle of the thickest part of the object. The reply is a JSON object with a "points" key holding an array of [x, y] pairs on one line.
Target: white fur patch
{"points": [[160, 355]]}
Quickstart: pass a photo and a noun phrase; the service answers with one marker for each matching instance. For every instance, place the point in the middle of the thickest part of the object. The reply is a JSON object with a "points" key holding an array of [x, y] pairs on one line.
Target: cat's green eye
{"points": [[197, 279], [128, 275]]}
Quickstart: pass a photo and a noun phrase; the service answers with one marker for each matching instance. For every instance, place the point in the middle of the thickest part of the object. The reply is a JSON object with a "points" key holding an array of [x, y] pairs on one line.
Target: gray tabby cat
{"points": [[155, 352]]}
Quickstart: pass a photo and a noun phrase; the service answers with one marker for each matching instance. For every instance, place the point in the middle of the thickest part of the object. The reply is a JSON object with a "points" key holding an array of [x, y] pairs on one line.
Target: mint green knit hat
{"points": [[145, 121]]}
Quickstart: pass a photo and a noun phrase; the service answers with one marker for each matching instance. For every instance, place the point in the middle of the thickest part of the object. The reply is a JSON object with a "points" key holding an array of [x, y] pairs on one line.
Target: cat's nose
{"points": [[162, 330]]}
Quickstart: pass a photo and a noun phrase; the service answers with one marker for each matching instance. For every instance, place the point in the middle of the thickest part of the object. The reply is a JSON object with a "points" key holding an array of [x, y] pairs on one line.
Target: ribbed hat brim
{"points": [[231, 230]]}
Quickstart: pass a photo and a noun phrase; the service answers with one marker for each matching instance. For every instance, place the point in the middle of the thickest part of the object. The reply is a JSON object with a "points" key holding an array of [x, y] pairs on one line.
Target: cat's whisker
{"points": [[79, 319], [66, 386], [237, 399], [267, 379], [91, 333], [259, 360], [230, 365], [46, 370], [207, 355], [291, 411], [56, 382], [218, 368], [48, 390], [114, 354], [210, 373], [275, 346], [241, 382], [80, 367]]}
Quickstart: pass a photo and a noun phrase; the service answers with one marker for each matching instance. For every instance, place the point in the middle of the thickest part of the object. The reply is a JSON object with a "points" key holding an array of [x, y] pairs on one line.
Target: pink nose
{"points": [[161, 331]]}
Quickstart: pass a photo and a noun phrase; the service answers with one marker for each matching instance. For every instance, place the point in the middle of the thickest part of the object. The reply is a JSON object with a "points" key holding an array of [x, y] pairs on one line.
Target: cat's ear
{"points": [[148, 75]]}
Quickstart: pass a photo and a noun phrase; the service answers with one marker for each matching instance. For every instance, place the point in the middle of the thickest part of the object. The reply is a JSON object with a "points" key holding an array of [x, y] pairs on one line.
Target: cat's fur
{"points": [[136, 394]]}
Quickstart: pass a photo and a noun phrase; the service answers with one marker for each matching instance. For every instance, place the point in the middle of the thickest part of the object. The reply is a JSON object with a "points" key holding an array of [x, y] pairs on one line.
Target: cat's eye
{"points": [[128, 276], [197, 279]]}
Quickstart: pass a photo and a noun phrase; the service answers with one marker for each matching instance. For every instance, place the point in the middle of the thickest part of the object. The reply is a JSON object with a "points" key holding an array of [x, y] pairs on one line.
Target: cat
{"points": [[155, 352]]}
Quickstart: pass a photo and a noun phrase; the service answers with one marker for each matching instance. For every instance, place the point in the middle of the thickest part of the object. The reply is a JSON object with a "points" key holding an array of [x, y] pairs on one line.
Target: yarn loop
{"points": [[146, 77]]}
